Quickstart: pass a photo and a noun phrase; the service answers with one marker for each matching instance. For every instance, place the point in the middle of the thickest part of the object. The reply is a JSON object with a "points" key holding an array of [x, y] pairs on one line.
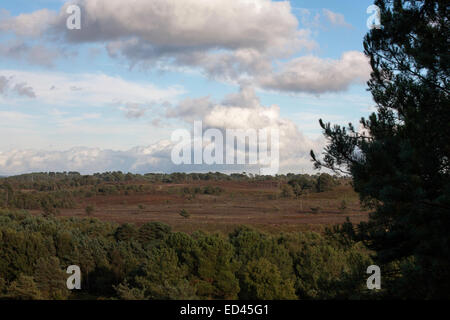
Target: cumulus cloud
{"points": [[243, 110], [316, 75], [335, 18], [171, 25], [191, 109], [225, 39]]}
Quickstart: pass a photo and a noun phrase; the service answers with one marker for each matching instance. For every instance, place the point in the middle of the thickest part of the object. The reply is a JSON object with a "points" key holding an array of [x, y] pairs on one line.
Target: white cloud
{"points": [[28, 24], [171, 25], [87, 160], [21, 89], [32, 53], [191, 109], [13, 116], [4, 82], [225, 39], [153, 158], [316, 75], [241, 110], [134, 110], [335, 18], [244, 110], [91, 89]]}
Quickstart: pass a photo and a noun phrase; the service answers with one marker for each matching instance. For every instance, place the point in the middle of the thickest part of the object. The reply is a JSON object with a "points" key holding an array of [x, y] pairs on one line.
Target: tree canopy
{"points": [[399, 157]]}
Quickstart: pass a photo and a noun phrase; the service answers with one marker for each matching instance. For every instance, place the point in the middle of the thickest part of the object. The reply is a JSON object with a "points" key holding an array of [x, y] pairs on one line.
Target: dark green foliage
{"points": [[126, 232], [184, 213], [316, 210], [251, 245], [151, 262], [322, 266], [262, 280], [215, 267], [286, 191], [212, 190], [400, 165], [23, 288], [301, 185], [325, 182], [162, 277], [153, 231], [50, 279]]}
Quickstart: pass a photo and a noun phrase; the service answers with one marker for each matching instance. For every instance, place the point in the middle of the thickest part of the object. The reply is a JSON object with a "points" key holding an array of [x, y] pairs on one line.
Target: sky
{"points": [[108, 96]]}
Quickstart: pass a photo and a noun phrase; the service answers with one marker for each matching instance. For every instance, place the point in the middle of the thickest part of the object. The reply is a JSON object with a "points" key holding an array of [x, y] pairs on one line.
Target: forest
{"points": [[153, 262]]}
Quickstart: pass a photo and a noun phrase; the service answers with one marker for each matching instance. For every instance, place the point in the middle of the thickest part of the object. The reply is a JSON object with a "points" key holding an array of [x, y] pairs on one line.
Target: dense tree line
{"points": [[152, 262]]}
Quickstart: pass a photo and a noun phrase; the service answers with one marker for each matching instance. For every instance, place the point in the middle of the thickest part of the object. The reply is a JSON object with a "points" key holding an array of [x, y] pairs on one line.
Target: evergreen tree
{"points": [[263, 281], [23, 288], [50, 279], [400, 160]]}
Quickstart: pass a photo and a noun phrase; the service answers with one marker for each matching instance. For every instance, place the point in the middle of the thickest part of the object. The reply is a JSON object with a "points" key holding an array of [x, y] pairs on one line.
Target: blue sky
{"points": [[69, 101]]}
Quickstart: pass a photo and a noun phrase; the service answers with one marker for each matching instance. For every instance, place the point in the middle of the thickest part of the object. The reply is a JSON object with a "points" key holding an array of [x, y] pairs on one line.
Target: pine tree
{"points": [[399, 162]]}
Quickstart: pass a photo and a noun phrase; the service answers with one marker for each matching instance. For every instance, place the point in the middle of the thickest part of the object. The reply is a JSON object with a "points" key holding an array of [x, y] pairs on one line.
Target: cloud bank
{"points": [[241, 110], [256, 40]]}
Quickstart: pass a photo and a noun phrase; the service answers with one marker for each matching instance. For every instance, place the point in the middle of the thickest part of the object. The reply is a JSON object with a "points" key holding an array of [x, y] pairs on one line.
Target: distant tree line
{"points": [[51, 191], [53, 181]]}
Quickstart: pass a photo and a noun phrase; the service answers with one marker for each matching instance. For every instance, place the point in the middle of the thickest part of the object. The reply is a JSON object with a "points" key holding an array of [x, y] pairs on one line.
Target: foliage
{"points": [[152, 262], [399, 161], [184, 213]]}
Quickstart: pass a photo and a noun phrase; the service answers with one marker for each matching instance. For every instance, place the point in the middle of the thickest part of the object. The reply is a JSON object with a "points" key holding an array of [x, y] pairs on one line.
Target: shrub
{"points": [[184, 213], [315, 210], [325, 182], [286, 191], [126, 232]]}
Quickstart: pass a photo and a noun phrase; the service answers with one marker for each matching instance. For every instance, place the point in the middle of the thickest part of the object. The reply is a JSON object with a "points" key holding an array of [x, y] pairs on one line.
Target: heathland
{"points": [[180, 236]]}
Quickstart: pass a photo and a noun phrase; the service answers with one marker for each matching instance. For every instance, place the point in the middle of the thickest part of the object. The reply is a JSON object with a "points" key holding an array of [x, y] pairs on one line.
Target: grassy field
{"points": [[253, 203]]}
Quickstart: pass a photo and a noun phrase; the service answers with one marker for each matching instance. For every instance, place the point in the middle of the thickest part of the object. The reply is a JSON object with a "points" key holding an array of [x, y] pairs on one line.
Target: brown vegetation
{"points": [[255, 203]]}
